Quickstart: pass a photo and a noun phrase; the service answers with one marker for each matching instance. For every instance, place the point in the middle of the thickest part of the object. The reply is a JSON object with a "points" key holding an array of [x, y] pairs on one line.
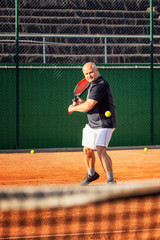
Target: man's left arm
{"points": [[84, 107]]}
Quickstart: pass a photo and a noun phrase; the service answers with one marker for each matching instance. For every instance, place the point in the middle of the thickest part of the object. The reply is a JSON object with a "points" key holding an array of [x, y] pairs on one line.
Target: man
{"points": [[97, 133]]}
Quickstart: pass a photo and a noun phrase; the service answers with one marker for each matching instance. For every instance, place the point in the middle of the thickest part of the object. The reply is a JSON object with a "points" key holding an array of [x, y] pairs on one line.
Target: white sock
{"points": [[91, 171], [110, 176]]}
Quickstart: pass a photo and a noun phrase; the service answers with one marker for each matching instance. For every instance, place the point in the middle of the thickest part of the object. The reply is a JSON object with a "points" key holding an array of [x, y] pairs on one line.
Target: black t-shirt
{"points": [[101, 92]]}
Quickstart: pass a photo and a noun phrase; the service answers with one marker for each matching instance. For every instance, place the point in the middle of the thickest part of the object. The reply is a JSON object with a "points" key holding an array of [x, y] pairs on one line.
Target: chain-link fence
{"points": [[55, 38], [68, 31]]}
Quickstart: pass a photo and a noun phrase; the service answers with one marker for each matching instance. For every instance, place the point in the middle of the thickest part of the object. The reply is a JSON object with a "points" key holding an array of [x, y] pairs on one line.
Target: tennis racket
{"points": [[80, 88]]}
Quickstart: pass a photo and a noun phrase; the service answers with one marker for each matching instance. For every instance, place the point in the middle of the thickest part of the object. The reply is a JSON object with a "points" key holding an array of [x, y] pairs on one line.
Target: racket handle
{"points": [[74, 104]]}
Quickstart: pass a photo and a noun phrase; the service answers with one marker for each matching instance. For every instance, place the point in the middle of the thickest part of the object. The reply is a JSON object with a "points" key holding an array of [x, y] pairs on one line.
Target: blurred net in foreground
{"points": [[123, 211]]}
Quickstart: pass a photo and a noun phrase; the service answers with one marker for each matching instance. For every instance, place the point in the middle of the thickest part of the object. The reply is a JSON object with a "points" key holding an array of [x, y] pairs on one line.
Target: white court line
{"points": [[81, 234]]}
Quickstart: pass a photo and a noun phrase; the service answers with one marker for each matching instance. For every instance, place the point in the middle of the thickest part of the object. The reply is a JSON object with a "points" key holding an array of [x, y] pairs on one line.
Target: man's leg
{"points": [[106, 163], [89, 158]]}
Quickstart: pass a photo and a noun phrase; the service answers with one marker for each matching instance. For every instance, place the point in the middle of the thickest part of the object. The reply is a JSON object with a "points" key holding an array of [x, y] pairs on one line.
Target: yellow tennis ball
{"points": [[107, 113], [145, 149], [32, 151]]}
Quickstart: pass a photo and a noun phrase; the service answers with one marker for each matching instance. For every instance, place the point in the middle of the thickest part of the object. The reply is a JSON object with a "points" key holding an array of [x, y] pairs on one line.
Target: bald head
{"points": [[89, 65], [90, 71]]}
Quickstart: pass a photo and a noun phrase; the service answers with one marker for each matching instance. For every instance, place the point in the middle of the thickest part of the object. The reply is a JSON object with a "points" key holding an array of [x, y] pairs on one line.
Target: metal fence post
{"points": [[44, 50], [151, 68], [17, 73], [105, 49]]}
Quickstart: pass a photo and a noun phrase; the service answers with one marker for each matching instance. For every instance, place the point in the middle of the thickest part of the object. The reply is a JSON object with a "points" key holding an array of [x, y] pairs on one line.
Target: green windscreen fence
{"points": [[43, 45], [46, 91]]}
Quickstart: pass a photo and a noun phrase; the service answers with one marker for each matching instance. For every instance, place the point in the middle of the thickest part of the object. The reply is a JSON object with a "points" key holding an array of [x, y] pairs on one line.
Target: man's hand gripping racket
{"points": [[80, 88]]}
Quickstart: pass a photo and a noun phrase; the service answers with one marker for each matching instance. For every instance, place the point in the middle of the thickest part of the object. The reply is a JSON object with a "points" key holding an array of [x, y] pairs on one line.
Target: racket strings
{"points": [[81, 87]]}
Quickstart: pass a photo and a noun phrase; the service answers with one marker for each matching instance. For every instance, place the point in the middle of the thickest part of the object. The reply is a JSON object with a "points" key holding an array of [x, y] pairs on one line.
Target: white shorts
{"points": [[96, 137]]}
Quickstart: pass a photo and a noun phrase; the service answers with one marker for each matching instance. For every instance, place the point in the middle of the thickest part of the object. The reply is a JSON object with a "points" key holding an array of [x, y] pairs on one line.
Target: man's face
{"points": [[90, 72]]}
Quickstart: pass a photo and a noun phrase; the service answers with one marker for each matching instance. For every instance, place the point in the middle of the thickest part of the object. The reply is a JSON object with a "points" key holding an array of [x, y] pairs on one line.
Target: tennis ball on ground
{"points": [[32, 151], [145, 149], [107, 113]]}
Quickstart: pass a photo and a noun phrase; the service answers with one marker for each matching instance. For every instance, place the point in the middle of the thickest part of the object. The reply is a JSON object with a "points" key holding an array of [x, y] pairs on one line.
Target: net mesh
{"points": [[55, 38], [124, 211]]}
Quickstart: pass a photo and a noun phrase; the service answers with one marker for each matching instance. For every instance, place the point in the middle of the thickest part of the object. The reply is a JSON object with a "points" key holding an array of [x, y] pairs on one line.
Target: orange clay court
{"points": [[69, 167]]}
